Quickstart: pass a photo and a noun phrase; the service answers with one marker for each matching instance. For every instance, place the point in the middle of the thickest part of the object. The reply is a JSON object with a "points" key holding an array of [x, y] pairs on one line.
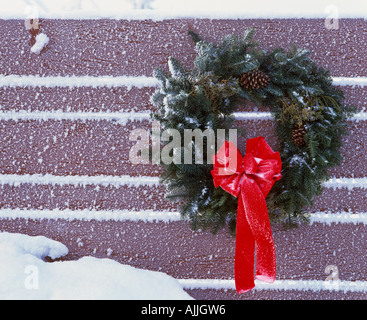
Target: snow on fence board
{"points": [[64, 146]]}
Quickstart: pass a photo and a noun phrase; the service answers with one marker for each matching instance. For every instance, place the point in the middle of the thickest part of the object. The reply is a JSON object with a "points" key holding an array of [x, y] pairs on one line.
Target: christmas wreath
{"points": [[308, 110]]}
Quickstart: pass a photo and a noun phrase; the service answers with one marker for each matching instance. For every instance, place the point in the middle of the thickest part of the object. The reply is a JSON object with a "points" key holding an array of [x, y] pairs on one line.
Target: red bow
{"points": [[250, 178]]}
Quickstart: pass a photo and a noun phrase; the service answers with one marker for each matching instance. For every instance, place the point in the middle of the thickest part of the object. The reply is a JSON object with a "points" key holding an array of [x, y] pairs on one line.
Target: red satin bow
{"points": [[250, 178]]}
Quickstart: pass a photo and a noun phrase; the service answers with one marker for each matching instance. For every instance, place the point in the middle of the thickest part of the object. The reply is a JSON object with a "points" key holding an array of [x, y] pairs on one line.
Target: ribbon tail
{"points": [[244, 252], [256, 213]]}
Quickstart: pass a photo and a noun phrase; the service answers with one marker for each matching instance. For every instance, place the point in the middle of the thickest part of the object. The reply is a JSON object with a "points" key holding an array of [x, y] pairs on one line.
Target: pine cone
{"points": [[254, 80], [298, 134]]}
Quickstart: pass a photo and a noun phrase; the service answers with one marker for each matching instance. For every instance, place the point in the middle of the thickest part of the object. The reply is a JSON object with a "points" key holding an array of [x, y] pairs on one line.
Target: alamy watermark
{"points": [[32, 17], [32, 279], [333, 273], [179, 148], [332, 19]]}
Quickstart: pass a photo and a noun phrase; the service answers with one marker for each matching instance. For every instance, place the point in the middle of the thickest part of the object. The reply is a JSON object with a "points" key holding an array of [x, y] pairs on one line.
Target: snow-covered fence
{"points": [[65, 118]]}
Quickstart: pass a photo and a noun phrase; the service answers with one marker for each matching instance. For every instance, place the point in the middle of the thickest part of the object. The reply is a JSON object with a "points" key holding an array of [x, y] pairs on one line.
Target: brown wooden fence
{"points": [[51, 158]]}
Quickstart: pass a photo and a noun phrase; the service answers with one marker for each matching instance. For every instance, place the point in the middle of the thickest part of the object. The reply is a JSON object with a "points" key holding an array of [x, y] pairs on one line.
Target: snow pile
{"points": [[24, 275], [41, 41], [38, 246]]}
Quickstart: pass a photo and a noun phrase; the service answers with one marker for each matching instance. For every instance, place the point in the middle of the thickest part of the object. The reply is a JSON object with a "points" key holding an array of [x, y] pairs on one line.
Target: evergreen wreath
{"points": [[308, 110]]}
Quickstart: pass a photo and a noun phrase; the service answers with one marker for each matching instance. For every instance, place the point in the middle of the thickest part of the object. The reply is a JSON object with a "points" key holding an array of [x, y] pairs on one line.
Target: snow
{"points": [[74, 81], [122, 117], [104, 180], [356, 81], [167, 9], [118, 117], [117, 181], [88, 215], [38, 246], [253, 116], [300, 285], [23, 272], [121, 81], [349, 183], [153, 216], [24, 275], [41, 41], [341, 217]]}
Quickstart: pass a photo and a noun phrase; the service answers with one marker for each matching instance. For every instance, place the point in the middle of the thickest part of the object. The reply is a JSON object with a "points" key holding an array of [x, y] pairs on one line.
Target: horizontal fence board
{"points": [[355, 95], [340, 200], [302, 253], [122, 47], [85, 147], [104, 99], [99, 197], [69, 148], [77, 99], [29, 196]]}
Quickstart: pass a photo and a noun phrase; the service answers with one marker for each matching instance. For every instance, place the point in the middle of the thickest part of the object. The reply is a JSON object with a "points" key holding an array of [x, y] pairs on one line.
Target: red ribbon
{"points": [[250, 178]]}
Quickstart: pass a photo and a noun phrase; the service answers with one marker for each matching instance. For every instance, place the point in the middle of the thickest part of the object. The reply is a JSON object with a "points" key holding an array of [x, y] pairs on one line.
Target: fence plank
{"points": [[122, 47], [104, 99], [102, 147]]}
